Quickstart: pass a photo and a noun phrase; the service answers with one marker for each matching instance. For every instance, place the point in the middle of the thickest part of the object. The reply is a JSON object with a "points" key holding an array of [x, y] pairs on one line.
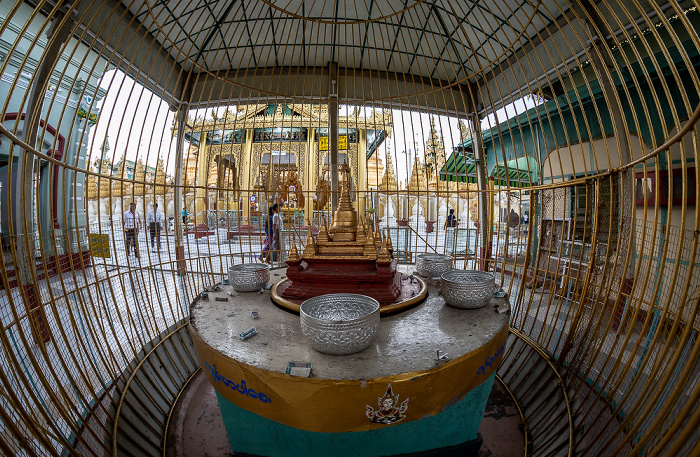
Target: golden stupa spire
{"points": [[389, 244], [377, 235], [361, 233], [323, 231], [293, 253], [344, 227], [370, 248], [310, 248], [384, 255]]}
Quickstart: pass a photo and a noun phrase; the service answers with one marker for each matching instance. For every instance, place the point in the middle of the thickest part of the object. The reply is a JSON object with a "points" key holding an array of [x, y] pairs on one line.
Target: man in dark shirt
{"points": [[451, 219]]}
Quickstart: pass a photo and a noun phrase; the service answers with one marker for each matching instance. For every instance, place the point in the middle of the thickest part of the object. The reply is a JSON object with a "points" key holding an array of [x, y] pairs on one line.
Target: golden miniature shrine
{"points": [[346, 257]]}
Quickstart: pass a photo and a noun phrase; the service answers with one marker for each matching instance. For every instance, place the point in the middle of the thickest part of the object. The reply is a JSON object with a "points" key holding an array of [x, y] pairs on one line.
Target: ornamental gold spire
{"points": [[370, 248], [293, 253], [344, 227], [323, 231], [310, 248], [384, 255], [389, 244], [361, 235]]}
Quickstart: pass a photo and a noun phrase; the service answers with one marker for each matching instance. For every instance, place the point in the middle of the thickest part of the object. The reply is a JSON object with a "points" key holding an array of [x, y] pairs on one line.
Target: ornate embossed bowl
{"points": [[468, 289], [431, 265], [339, 323], [249, 277]]}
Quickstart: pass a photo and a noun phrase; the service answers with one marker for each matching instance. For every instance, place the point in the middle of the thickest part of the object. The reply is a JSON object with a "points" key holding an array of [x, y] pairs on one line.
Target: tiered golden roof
{"points": [[121, 188], [388, 182], [303, 115], [418, 181], [139, 178], [160, 179]]}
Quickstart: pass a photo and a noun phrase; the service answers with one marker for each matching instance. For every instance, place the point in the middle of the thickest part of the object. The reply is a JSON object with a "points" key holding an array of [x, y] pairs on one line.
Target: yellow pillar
{"points": [[246, 167], [309, 182], [202, 173], [362, 171]]}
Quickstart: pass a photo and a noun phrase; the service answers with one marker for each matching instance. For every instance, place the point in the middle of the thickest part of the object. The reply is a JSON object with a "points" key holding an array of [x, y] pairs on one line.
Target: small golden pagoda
{"points": [[345, 258]]}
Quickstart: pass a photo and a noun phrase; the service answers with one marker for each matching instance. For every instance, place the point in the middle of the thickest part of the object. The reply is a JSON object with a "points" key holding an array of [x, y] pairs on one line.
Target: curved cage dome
{"points": [[580, 119]]}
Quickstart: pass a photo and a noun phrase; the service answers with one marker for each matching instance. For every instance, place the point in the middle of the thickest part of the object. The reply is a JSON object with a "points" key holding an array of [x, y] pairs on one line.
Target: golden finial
{"points": [[377, 236], [389, 244], [384, 253], [361, 234], [370, 248], [293, 253], [310, 248], [323, 236]]}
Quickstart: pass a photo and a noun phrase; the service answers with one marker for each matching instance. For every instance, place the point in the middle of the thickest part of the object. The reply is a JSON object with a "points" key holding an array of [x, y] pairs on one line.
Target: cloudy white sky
{"points": [[138, 124]]}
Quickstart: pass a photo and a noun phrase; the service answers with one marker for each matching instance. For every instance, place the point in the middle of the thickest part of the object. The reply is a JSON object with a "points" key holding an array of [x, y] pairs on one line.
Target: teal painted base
{"points": [[253, 434]]}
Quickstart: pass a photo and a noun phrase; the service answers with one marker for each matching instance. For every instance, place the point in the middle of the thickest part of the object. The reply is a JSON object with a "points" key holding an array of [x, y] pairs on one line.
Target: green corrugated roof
{"points": [[462, 168]]}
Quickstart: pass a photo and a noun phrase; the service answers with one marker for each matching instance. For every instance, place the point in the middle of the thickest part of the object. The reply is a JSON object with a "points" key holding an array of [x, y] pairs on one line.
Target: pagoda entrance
{"points": [[281, 172]]}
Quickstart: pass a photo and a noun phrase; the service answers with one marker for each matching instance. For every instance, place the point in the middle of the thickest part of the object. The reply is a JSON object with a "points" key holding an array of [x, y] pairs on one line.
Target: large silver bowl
{"points": [[431, 265], [339, 323], [468, 289], [249, 277]]}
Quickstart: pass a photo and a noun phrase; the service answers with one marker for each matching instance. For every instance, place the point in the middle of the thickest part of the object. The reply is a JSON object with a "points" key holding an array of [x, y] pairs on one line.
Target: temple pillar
{"points": [[202, 172], [362, 200], [179, 198], [333, 131], [310, 175], [245, 168], [483, 200]]}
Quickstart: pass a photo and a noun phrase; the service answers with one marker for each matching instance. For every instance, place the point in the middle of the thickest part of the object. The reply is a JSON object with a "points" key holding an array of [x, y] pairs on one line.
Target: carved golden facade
{"points": [[278, 153]]}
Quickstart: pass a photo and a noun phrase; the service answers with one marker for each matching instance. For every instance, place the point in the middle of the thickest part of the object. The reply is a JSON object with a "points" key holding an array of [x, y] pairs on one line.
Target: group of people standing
{"points": [[132, 225], [273, 245]]}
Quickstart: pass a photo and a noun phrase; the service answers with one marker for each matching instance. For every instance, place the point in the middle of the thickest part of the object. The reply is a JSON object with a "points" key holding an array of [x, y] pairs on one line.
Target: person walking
{"points": [[154, 222], [184, 216], [451, 219], [273, 227], [265, 255], [450, 233], [278, 225], [132, 225]]}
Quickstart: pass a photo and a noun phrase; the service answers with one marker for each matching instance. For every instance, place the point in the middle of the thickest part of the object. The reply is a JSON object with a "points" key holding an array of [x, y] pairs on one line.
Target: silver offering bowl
{"points": [[468, 289], [339, 323], [249, 277]]}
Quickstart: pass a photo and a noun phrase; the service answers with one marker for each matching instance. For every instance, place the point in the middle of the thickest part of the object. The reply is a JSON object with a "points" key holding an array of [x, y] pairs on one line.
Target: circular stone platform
{"points": [[393, 398]]}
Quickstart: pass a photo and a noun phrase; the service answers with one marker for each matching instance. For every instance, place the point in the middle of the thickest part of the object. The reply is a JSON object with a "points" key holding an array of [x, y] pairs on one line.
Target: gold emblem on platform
{"points": [[389, 411]]}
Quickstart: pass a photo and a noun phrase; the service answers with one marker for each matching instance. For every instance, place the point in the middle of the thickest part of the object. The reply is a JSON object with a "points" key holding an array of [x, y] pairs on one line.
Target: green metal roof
{"points": [[461, 167]]}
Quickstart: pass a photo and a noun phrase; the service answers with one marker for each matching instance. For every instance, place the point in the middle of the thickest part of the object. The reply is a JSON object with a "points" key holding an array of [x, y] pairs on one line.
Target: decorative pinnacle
{"points": [[323, 236], [361, 235], [370, 248], [377, 235], [310, 248], [384, 256], [389, 244], [293, 253]]}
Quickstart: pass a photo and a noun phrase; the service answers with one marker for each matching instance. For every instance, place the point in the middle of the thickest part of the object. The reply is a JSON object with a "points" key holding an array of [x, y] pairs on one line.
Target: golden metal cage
{"points": [[581, 118]]}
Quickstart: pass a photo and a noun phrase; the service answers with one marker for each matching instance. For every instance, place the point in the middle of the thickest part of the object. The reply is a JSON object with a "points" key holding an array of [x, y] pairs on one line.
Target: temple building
{"points": [[281, 153]]}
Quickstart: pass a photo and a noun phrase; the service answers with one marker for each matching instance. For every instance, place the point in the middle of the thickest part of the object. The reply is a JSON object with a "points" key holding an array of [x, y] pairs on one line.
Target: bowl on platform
{"points": [[339, 324], [249, 277], [432, 265], [467, 289]]}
